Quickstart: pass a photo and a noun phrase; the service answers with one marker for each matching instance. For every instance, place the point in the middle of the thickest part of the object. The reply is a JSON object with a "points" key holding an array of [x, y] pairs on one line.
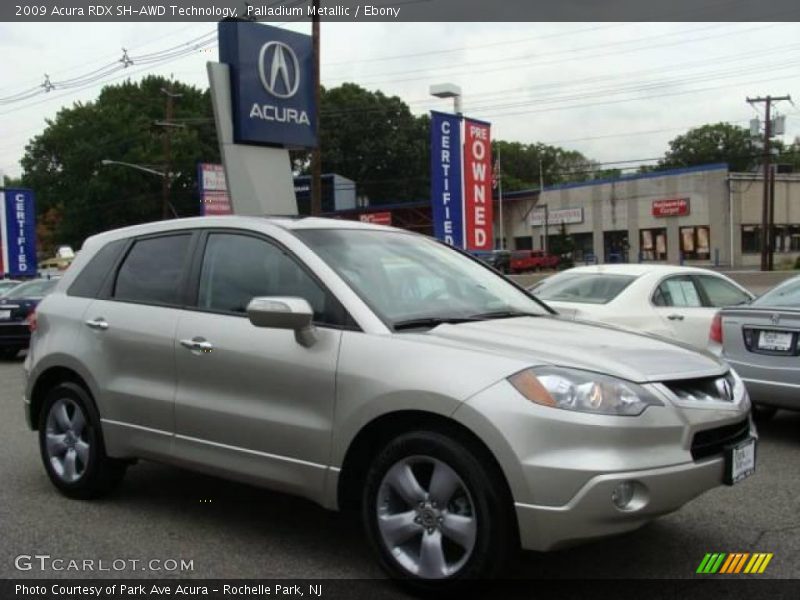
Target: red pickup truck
{"points": [[532, 260]]}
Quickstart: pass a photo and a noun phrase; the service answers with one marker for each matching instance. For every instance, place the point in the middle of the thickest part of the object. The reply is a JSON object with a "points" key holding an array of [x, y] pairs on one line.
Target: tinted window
{"points": [[237, 268], [720, 292], [786, 294], [588, 288], [37, 288], [677, 291], [152, 270], [89, 281]]}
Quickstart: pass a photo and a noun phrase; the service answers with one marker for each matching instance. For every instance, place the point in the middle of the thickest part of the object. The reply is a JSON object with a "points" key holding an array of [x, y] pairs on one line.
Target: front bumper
{"points": [[591, 513], [562, 467]]}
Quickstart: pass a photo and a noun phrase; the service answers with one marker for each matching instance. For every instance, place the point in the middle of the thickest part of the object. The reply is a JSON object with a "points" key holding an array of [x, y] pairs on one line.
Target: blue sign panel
{"points": [[446, 184], [272, 84], [19, 233]]}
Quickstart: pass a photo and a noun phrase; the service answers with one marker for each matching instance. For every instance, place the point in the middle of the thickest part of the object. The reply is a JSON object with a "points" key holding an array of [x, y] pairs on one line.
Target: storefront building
{"points": [[699, 215]]}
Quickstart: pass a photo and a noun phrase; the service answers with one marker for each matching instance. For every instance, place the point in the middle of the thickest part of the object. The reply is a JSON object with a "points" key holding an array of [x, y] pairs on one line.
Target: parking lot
{"points": [[232, 530]]}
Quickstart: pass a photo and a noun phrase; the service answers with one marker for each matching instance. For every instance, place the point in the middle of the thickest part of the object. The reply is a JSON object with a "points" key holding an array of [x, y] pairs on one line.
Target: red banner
{"points": [[378, 218], [677, 207], [478, 186]]}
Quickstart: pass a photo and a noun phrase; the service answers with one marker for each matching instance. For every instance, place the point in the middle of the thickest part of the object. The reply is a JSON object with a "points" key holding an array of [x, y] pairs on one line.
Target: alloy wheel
{"points": [[66, 440]]}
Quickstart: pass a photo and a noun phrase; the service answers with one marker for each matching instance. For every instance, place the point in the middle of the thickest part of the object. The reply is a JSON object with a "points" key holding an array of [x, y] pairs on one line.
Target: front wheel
{"points": [[436, 512], [71, 444]]}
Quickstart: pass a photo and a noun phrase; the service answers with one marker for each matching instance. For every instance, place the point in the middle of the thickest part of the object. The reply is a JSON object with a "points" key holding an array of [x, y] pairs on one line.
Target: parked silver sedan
{"points": [[373, 369], [762, 342]]}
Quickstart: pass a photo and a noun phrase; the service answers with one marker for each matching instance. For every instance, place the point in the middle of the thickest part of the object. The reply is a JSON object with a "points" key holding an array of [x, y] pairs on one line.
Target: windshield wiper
{"points": [[430, 322], [504, 314]]}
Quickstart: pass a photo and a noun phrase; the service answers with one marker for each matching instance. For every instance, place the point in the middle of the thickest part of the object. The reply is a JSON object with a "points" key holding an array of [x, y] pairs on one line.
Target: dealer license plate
{"points": [[775, 340], [5, 314], [740, 461]]}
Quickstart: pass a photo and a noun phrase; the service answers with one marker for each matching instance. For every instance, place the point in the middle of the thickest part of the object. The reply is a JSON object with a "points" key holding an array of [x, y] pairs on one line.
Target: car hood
{"points": [[558, 341]]}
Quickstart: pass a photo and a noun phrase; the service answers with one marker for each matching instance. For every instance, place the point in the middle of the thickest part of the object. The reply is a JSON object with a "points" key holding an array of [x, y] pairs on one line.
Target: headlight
{"points": [[582, 391]]}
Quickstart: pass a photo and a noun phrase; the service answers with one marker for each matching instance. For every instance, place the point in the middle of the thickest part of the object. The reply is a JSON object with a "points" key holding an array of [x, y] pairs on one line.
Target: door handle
{"points": [[675, 317], [99, 324], [198, 345]]}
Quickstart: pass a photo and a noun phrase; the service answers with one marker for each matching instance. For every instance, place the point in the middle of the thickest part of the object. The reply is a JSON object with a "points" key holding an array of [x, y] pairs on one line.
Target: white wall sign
{"points": [[556, 216]]}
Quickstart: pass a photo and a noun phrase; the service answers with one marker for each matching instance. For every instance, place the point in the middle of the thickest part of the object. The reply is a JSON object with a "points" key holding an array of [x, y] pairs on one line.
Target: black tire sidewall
{"points": [[494, 536], [87, 485]]}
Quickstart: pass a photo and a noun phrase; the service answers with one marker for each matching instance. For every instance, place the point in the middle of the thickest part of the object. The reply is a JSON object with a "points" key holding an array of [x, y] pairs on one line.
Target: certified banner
{"points": [[446, 185], [478, 185], [17, 233]]}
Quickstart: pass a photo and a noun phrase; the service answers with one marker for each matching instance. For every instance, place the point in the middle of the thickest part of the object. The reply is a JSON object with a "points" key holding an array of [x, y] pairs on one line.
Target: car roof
{"points": [[288, 222], [637, 270]]}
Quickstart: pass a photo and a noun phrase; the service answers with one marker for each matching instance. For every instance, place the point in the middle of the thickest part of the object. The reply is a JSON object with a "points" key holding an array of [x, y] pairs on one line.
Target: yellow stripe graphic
{"points": [[764, 564], [754, 562]]}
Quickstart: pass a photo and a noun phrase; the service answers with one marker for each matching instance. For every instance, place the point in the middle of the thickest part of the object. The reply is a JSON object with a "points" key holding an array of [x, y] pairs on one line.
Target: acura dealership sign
{"points": [[272, 84]]}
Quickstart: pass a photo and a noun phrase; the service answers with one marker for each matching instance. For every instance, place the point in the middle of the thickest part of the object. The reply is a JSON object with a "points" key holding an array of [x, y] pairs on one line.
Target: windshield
{"points": [[786, 294], [32, 289], [587, 288], [406, 277]]}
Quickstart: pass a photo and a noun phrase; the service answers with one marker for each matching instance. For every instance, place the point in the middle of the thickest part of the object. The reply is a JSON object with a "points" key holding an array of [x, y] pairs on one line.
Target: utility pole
{"points": [[766, 216], [167, 180], [316, 152]]}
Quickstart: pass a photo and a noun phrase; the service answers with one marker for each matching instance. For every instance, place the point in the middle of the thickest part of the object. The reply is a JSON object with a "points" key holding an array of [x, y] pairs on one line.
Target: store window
{"points": [[653, 244], [695, 243], [523, 243], [751, 239]]}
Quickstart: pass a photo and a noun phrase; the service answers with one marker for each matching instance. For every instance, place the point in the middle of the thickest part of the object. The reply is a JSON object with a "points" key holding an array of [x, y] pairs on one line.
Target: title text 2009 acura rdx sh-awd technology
{"points": [[370, 368]]}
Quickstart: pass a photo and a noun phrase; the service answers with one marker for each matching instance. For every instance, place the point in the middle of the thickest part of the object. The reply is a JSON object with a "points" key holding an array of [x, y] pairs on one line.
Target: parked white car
{"points": [[674, 302]]}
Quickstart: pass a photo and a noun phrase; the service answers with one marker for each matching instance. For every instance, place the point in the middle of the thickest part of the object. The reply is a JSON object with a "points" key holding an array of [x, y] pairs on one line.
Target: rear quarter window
{"points": [[90, 280]]}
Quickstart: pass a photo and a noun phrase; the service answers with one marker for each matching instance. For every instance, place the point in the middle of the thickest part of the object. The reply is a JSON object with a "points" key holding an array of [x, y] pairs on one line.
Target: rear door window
{"points": [[678, 291], [153, 270]]}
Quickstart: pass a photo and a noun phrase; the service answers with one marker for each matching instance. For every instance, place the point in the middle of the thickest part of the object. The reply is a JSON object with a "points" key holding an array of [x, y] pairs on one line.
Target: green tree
{"points": [[720, 142], [63, 163], [520, 165], [562, 245], [374, 140]]}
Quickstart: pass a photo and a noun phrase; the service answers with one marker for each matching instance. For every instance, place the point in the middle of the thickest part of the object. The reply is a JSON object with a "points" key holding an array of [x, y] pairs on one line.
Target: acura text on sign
{"points": [[478, 185], [272, 84], [446, 196], [676, 207]]}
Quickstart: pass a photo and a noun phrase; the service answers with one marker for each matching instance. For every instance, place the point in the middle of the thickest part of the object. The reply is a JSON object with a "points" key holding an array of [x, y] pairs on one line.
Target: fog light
{"points": [[623, 494]]}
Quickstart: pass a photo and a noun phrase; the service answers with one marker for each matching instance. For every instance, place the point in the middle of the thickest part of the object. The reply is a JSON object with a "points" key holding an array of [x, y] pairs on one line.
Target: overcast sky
{"points": [[613, 91]]}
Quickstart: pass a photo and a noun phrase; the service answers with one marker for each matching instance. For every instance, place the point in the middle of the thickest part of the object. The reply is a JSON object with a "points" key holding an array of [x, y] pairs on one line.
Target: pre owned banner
{"points": [[478, 185], [17, 233], [446, 185]]}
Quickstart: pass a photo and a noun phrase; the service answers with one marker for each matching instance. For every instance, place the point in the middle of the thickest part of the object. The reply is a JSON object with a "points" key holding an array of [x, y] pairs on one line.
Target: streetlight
{"points": [[448, 90], [167, 176]]}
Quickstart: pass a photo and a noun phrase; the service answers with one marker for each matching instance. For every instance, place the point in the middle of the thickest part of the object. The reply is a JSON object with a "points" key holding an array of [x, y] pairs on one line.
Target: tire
{"points": [[762, 413], [71, 444], [414, 536]]}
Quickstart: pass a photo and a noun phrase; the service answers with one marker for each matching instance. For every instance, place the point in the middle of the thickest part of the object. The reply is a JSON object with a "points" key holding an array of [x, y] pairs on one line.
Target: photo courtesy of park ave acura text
{"points": [[400, 299]]}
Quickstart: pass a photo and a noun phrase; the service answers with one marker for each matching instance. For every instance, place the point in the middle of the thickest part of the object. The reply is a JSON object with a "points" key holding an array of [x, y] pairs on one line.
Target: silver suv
{"points": [[373, 369]]}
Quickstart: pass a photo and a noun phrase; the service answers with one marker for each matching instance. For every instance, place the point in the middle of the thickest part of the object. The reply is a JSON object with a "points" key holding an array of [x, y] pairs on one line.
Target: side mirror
{"points": [[284, 313]]}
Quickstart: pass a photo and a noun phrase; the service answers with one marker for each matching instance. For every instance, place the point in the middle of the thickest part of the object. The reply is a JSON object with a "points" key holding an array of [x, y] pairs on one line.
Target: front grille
{"points": [[704, 389], [713, 441]]}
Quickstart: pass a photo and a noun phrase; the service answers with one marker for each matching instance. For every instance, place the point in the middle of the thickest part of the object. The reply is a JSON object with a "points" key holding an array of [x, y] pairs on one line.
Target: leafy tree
{"points": [[374, 140], [562, 245], [719, 142], [11, 182], [79, 196], [520, 165]]}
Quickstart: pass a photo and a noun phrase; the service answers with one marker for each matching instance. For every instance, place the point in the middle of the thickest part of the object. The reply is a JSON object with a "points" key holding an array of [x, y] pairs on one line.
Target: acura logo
{"points": [[775, 318], [725, 390], [279, 69]]}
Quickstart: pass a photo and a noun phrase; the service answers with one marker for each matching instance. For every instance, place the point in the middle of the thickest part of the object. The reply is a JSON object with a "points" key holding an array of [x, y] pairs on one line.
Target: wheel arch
{"points": [[48, 379], [373, 435]]}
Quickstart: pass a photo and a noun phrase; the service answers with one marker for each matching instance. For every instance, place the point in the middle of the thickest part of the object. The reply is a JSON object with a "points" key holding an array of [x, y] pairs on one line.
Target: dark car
{"points": [[15, 308], [500, 260]]}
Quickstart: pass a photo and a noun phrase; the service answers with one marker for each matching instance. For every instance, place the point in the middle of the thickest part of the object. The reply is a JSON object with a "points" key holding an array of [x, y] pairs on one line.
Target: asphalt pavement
{"points": [[231, 530]]}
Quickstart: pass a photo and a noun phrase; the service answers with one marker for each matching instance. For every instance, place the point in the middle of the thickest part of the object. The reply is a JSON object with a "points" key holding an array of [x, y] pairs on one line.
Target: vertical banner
{"points": [[214, 198], [446, 184], [18, 233], [478, 186]]}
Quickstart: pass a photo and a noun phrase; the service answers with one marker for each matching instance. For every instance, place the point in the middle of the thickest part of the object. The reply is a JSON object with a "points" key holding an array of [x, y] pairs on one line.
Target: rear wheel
{"points": [[71, 444], [435, 512]]}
